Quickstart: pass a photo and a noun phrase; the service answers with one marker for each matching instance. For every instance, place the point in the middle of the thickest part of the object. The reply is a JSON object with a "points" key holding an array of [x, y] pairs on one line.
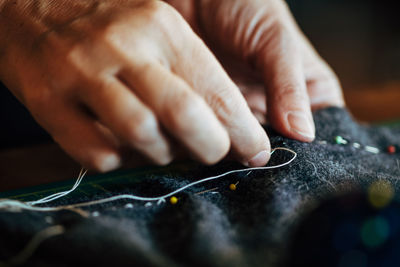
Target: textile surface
{"points": [[317, 211]]}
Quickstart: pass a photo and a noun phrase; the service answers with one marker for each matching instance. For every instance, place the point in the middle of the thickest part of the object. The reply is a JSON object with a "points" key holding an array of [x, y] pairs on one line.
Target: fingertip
{"points": [[107, 162], [259, 160], [260, 151], [301, 126]]}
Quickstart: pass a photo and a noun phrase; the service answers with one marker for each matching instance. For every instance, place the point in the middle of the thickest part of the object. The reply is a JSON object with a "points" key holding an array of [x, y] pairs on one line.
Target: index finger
{"points": [[249, 141]]}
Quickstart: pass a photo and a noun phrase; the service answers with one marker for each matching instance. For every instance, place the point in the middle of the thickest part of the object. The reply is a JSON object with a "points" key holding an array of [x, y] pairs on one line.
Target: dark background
{"points": [[359, 38]]}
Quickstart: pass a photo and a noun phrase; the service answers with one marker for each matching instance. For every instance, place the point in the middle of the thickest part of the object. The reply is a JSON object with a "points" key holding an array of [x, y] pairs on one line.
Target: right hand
{"points": [[101, 75]]}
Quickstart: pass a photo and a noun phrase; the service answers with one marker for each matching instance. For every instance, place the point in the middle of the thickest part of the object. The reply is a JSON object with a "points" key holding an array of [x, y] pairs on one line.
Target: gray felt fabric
{"points": [[288, 216]]}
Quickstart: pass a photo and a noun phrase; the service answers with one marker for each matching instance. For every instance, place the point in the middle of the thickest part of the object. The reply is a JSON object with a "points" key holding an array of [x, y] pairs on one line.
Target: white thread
{"points": [[161, 201], [55, 196], [14, 205]]}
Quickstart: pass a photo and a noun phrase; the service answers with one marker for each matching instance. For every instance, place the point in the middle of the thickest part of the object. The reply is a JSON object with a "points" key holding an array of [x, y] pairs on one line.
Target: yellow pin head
{"points": [[232, 187], [173, 200]]}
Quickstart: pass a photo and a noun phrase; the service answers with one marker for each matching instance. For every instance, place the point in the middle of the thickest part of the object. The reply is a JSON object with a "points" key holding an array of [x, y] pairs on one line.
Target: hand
{"points": [[103, 75], [266, 54]]}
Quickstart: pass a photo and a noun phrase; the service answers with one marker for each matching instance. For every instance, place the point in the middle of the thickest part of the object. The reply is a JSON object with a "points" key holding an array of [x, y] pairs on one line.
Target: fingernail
{"points": [[301, 124], [110, 162], [259, 160]]}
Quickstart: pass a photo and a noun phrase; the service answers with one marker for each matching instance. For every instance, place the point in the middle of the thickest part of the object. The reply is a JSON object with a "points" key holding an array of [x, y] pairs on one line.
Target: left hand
{"points": [[267, 55]]}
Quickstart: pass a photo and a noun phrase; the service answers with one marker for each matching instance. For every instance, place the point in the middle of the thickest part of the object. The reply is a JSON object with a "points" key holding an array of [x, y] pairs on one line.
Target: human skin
{"points": [[103, 76], [264, 49]]}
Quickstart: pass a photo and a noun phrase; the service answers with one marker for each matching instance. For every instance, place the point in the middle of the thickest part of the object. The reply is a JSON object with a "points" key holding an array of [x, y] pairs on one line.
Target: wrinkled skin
{"points": [[105, 76], [271, 56]]}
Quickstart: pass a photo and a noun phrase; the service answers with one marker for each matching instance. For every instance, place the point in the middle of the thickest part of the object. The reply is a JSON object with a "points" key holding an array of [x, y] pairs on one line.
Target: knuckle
{"points": [[76, 58], [275, 37], [112, 34], [107, 33], [142, 128], [223, 103], [183, 108], [163, 16], [292, 92], [186, 116], [157, 10]]}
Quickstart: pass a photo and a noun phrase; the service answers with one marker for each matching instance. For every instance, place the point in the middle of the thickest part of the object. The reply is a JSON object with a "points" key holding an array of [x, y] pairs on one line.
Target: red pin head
{"points": [[391, 149]]}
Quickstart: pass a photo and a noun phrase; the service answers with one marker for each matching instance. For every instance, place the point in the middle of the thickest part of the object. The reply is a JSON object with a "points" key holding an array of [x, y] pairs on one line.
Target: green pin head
{"points": [[339, 140]]}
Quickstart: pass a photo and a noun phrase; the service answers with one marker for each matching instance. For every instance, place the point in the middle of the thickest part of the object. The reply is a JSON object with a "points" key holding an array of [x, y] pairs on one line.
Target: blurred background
{"points": [[360, 39]]}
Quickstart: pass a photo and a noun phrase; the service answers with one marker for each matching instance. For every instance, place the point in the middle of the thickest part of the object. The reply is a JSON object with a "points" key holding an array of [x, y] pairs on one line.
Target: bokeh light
{"points": [[375, 231], [380, 193]]}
